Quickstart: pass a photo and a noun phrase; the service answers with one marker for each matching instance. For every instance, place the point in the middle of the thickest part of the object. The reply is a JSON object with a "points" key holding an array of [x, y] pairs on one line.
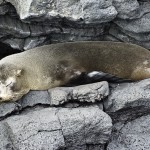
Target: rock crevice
{"points": [[27, 24], [87, 117], [76, 126]]}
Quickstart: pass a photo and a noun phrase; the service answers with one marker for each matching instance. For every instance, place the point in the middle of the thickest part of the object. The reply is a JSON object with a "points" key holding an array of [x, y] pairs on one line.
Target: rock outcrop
{"points": [[133, 135], [59, 127], [27, 24], [97, 116], [56, 128], [132, 23], [81, 118]]}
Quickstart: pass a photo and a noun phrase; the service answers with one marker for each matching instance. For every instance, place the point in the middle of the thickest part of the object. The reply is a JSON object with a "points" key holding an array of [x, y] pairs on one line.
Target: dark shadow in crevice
{"points": [[6, 50]]}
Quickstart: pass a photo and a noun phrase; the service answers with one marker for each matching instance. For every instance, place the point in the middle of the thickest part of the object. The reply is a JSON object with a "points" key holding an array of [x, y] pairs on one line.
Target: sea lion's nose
{"points": [[5, 98], [1, 99]]}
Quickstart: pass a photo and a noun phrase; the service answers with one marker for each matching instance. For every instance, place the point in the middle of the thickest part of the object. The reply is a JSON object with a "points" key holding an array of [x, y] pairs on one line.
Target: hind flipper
{"points": [[102, 76]]}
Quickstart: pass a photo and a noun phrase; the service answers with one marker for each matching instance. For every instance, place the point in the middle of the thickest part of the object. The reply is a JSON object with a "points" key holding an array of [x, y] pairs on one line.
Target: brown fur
{"points": [[54, 65]]}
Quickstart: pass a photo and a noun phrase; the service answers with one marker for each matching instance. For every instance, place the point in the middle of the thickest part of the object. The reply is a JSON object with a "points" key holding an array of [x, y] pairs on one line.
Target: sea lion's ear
{"points": [[18, 72]]}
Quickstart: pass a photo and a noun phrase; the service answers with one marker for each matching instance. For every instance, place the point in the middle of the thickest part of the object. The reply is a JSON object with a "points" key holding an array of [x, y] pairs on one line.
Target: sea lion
{"points": [[54, 65]]}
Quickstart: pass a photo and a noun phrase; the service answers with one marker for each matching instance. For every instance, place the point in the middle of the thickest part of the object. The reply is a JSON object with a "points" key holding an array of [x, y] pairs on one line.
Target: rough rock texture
{"points": [[128, 101], [54, 97], [141, 39], [132, 25], [84, 93], [129, 94], [86, 11], [134, 135], [55, 129], [31, 23], [80, 119], [58, 21], [32, 123], [127, 9]]}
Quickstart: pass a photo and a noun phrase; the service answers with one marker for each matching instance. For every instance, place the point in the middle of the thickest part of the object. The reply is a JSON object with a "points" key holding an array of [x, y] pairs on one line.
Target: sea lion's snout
{"points": [[5, 98], [6, 92]]}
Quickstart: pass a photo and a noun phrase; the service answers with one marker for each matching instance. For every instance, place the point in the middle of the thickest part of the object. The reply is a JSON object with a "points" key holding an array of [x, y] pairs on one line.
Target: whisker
{"points": [[8, 84]]}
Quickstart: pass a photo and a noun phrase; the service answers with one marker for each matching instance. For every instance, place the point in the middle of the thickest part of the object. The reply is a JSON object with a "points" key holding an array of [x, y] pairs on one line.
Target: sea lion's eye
{"points": [[9, 84]]}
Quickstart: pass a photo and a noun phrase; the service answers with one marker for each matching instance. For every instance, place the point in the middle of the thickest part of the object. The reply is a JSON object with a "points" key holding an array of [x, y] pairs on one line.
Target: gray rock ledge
{"points": [[57, 96], [128, 95], [56, 128], [83, 93], [134, 135]]}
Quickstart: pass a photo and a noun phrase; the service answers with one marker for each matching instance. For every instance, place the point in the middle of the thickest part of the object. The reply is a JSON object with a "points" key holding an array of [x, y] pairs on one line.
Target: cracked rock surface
{"points": [[56, 128], [88, 11], [129, 94], [95, 119], [128, 101], [27, 24], [84, 93], [134, 25], [133, 135], [91, 93], [97, 116]]}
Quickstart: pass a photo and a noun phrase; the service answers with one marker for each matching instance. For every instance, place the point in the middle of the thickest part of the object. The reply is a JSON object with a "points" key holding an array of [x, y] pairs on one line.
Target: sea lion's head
{"points": [[10, 83]]}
